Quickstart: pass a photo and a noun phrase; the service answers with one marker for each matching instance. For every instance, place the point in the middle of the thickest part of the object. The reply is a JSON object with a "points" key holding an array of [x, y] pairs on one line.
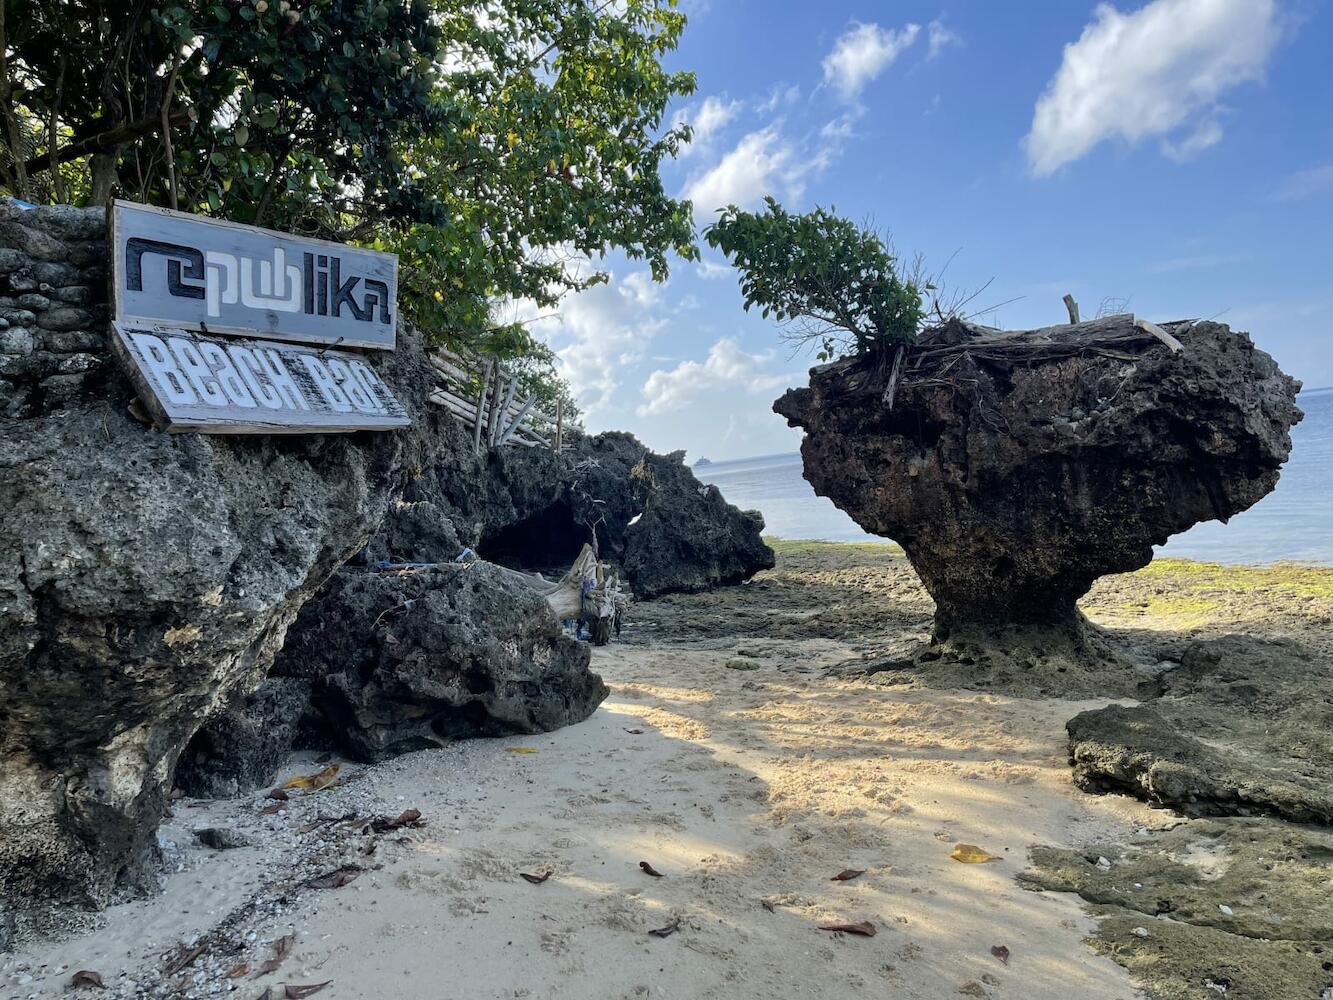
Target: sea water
{"points": [[1293, 522]]}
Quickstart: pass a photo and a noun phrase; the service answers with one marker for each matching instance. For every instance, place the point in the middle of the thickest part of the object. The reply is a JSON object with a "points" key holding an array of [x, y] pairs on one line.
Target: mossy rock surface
{"points": [[1242, 903]]}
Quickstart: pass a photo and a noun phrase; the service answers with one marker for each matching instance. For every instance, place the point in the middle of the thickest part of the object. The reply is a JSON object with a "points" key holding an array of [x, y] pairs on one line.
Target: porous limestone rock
{"points": [[145, 578], [1241, 729], [1015, 468], [405, 660]]}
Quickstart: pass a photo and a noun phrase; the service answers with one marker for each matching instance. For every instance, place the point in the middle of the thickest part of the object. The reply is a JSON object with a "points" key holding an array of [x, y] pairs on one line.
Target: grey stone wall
{"points": [[53, 305]]}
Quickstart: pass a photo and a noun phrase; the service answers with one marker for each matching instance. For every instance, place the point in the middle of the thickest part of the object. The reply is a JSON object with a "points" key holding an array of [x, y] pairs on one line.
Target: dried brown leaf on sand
{"points": [[864, 928], [275, 807], [86, 977], [293, 992], [971, 854], [847, 874], [407, 818], [633, 732], [279, 794], [648, 869], [668, 930], [1000, 952], [238, 970], [185, 956], [281, 949], [535, 879], [337, 878], [326, 778]]}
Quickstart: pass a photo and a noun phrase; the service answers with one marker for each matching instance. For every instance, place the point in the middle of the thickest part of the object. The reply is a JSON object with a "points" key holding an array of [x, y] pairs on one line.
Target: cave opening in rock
{"points": [[545, 542]]}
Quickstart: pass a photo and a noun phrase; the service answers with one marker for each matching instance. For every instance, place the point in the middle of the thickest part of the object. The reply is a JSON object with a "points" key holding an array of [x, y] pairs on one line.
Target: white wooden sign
{"points": [[192, 382], [187, 272]]}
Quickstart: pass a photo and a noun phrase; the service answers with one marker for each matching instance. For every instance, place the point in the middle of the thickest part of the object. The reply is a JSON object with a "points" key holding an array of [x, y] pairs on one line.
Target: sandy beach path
{"points": [[741, 786]]}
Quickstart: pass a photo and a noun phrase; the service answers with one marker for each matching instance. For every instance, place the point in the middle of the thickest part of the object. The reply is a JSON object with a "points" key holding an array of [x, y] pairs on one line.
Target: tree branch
{"points": [[104, 142]]}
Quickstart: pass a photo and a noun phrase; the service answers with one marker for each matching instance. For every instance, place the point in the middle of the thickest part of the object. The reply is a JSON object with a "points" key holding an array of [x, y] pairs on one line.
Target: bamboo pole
{"points": [[481, 404], [497, 423], [513, 426]]}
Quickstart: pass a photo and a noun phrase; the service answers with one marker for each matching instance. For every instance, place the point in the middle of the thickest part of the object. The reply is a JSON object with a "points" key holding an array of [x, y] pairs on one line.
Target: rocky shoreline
{"points": [[148, 581], [744, 749]]}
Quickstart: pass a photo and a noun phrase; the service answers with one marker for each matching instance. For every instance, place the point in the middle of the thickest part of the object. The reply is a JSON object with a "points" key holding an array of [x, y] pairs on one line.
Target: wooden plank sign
{"points": [[191, 382], [187, 272]]}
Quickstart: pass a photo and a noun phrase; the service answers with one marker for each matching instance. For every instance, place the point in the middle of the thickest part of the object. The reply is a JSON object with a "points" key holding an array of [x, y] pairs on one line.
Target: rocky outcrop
{"points": [[686, 537], [528, 508], [244, 743], [145, 578], [1015, 468], [1241, 729], [148, 580], [403, 661], [1241, 904]]}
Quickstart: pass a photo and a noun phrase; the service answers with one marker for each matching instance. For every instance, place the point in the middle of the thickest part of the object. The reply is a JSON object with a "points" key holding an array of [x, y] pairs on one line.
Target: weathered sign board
{"points": [[191, 273], [192, 382], [178, 280]]}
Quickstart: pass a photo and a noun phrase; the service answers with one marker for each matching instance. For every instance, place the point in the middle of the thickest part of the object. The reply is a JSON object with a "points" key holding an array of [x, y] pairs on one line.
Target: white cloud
{"points": [[1205, 135], [863, 52], [726, 367], [640, 289], [707, 120], [763, 162], [939, 36], [598, 333], [1307, 184], [710, 269], [779, 96], [1153, 72]]}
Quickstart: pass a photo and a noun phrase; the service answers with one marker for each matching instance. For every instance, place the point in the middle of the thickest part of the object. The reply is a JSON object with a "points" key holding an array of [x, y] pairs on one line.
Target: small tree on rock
{"points": [[833, 284]]}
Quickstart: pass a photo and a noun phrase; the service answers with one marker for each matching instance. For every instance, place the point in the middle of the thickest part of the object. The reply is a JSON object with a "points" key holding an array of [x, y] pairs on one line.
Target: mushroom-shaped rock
{"points": [[1016, 467]]}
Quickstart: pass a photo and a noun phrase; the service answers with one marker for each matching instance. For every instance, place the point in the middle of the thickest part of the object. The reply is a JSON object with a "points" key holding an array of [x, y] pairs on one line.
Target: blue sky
{"points": [[1177, 154]]}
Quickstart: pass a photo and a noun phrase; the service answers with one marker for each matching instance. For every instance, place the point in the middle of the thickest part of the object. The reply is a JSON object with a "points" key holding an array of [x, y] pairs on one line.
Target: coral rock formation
{"points": [[1262, 714], [1015, 468], [145, 578], [401, 661]]}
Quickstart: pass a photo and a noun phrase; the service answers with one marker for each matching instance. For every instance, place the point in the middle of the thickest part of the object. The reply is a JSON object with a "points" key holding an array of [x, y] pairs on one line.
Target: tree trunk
{"points": [[104, 176]]}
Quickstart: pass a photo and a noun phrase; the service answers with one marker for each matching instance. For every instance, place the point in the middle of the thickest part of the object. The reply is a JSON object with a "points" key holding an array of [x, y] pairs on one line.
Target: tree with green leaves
{"points": [[499, 149], [833, 284]]}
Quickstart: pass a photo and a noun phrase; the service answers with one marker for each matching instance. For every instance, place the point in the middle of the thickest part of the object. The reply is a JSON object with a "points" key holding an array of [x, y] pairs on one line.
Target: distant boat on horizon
{"points": [[703, 461]]}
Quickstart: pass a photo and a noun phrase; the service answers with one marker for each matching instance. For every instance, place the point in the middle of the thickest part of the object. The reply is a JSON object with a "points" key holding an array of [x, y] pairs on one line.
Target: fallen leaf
{"points": [[648, 869], [87, 977], [535, 879], [238, 970], [294, 992], [326, 778], [633, 732], [409, 817], [185, 956], [864, 928], [847, 874], [1000, 952], [281, 949], [337, 878], [668, 930], [275, 807], [971, 854], [520, 749], [279, 794]]}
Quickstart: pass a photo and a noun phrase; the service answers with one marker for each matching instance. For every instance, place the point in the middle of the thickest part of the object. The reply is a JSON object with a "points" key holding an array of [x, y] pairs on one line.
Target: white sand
{"points": [[744, 786]]}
